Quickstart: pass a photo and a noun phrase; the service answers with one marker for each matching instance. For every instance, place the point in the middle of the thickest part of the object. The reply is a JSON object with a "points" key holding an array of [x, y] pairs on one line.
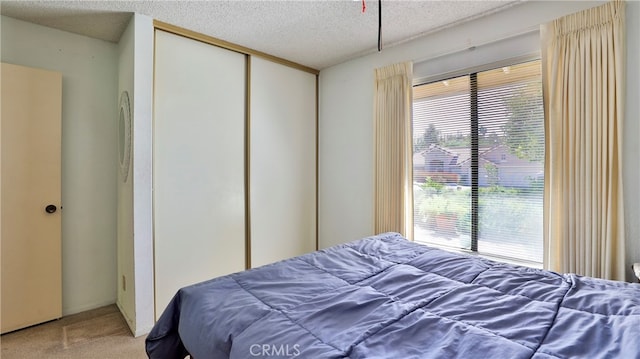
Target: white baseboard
{"points": [[137, 332]]}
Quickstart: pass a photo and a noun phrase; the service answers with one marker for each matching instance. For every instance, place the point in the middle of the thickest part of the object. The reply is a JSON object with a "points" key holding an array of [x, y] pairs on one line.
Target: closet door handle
{"points": [[50, 208]]}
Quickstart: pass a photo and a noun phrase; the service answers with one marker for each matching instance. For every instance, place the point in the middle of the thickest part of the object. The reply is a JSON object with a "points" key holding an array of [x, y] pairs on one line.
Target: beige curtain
{"points": [[393, 198], [583, 60]]}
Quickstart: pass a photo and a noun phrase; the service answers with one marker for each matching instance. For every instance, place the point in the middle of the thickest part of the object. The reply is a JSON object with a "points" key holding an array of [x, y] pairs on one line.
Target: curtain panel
{"points": [[393, 191], [583, 79]]}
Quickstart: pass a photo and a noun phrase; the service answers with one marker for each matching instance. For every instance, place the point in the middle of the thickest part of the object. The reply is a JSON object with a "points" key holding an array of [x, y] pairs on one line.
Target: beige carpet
{"points": [[100, 333]]}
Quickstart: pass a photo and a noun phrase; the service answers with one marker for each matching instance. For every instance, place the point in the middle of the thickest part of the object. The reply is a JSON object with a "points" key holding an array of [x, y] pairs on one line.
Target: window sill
{"points": [[494, 258]]}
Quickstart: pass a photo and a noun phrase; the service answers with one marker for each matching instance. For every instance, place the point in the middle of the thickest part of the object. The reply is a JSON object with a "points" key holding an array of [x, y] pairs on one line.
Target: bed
{"points": [[387, 297]]}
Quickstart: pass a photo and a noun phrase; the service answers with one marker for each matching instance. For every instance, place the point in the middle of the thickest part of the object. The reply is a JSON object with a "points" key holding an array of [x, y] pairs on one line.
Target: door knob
{"points": [[50, 208]]}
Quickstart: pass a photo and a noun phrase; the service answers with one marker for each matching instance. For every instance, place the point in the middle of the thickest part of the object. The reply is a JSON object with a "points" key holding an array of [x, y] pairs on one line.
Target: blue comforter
{"points": [[386, 297]]}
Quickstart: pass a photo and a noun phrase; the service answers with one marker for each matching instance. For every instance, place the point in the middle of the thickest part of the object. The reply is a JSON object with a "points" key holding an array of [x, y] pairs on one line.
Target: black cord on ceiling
{"points": [[379, 25]]}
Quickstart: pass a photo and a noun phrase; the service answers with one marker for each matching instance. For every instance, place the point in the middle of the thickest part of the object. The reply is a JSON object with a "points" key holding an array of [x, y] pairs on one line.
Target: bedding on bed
{"points": [[387, 297]]}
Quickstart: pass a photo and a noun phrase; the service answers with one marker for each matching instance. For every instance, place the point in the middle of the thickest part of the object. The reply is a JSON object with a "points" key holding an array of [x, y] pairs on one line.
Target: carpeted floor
{"points": [[100, 333]]}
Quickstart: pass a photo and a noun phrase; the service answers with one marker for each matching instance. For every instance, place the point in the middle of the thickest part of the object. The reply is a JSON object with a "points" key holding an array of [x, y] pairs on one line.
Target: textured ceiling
{"points": [[316, 34]]}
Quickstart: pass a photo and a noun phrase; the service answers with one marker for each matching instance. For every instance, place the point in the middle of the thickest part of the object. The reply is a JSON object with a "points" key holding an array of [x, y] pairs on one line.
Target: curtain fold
{"points": [[393, 190], [583, 78]]}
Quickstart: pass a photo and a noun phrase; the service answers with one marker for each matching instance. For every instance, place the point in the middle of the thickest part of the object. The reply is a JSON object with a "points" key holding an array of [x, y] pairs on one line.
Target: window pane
{"points": [[511, 161], [441, 137], [509, 158]]}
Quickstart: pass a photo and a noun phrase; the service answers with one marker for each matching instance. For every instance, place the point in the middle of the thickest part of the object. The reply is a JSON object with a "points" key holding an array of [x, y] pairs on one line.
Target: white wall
{"points": [[125, 277], [142, 121], [346, 109], [135, 241], [89, 156]]}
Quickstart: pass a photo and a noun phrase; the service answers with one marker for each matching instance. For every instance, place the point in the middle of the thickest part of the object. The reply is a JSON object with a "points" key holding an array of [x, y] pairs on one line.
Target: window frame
{"points": [[472, 72]]}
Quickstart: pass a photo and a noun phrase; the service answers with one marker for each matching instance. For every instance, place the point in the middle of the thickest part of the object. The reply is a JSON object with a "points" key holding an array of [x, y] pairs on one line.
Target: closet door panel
{"points": [[199, 202], [282, 162]]}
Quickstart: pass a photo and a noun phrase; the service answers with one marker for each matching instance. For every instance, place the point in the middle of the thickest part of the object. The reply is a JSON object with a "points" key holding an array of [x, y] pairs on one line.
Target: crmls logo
{"points": [[272, 350]]}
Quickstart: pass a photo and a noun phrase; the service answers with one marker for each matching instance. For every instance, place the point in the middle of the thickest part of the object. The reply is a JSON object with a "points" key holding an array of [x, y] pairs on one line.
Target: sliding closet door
{"points": [[283, 162], [199, 197]]}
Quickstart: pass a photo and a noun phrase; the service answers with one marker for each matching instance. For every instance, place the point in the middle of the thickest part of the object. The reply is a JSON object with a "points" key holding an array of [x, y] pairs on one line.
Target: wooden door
{"points": [[30, 179]]}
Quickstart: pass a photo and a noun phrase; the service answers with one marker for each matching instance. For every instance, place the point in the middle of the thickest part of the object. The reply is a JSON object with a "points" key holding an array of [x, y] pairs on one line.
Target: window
{"points": [[487, 130]]}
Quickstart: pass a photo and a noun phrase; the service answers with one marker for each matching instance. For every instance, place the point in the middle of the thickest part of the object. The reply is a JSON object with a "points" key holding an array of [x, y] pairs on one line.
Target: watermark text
{"points": [[274, 350]]}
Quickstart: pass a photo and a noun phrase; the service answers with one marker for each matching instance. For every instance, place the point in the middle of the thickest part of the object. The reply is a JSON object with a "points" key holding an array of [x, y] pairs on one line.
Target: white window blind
{"points": [[478, 162]]}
